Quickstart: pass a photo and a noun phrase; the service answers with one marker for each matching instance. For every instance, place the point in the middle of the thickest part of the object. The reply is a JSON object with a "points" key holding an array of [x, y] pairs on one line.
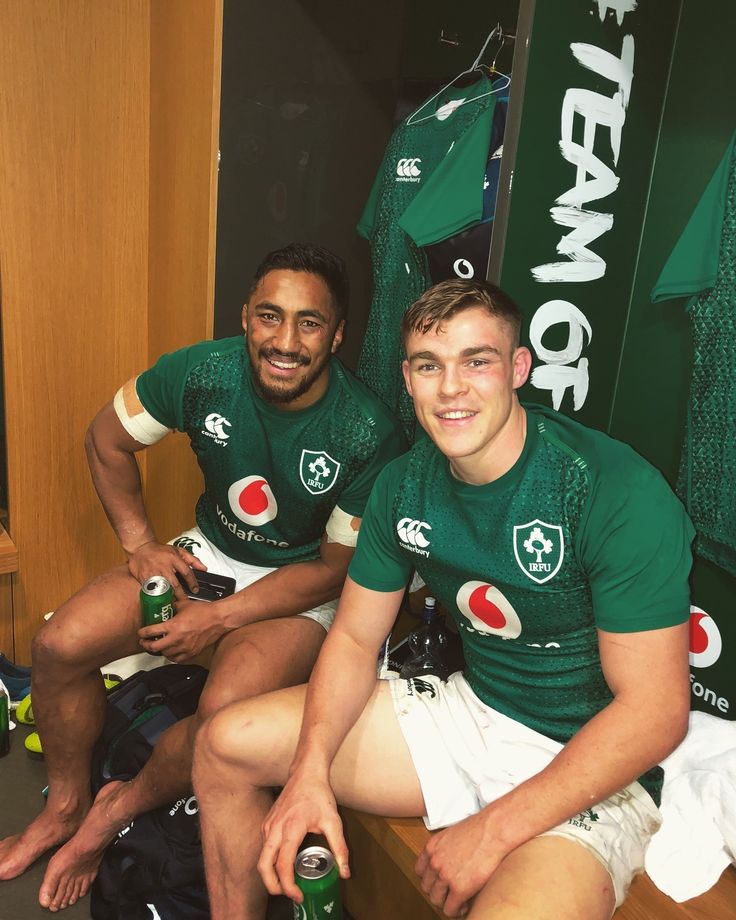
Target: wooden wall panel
{"points": [[186, 39], [7, 643], [74, 121], [108, 145]]}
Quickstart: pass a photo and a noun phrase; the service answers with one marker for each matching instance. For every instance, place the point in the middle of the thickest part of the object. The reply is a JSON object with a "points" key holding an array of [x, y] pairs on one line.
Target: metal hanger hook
{"points": [[494, 31], [499, 49]]}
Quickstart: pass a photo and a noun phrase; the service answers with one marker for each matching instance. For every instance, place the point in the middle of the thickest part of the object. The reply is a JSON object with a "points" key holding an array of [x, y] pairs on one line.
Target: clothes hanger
{"points": [[492, 70], [496, 30]]}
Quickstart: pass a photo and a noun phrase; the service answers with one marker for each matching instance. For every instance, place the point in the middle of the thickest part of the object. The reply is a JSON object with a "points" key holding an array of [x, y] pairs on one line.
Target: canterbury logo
{"points": [[188, 544], [216, 424], [411, 532], [423, 686], [407, 169]]}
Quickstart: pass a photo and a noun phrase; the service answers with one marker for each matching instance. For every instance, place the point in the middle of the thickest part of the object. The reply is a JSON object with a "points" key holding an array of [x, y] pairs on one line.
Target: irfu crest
{"points": [[318, 471], [539, 549]]}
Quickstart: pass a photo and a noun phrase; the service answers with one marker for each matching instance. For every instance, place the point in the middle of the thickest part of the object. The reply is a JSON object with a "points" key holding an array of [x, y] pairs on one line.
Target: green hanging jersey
{"points": [[428, 188], [703, 266], [271, 477], [580, 534]]}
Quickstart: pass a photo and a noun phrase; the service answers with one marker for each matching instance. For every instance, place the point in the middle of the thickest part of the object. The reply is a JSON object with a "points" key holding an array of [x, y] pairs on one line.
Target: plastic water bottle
{"points": [[428, 643]]}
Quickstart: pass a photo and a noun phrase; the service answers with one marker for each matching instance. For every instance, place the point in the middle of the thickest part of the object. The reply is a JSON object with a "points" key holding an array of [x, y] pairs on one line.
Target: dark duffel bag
{"points": [[153, 870]]}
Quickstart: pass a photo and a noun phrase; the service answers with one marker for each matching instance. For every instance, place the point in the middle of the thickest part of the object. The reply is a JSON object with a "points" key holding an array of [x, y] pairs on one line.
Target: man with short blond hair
{"points": [[563, 559]]}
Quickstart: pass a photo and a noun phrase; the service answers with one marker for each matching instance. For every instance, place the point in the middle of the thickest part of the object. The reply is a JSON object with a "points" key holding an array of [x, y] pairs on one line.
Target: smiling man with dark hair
{"points": [[289, 444]]}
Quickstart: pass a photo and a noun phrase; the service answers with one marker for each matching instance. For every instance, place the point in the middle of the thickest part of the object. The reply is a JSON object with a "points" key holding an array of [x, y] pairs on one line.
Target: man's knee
{"points": [[256, 739], [216, 694], [222, 740], [51, 647]]}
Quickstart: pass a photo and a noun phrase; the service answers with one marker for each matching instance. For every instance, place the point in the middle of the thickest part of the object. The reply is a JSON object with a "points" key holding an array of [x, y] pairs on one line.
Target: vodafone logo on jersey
{"points": [[252, 500], [706, 644], [487, 611]]}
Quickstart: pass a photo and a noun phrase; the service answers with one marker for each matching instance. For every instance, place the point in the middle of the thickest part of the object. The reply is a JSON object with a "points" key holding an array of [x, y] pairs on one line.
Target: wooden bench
{"points": [[384, 885]]}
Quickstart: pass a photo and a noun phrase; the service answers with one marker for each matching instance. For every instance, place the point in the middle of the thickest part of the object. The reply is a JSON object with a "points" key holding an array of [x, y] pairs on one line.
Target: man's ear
{"points": [[522, 364], [407, 377], [337, 338], [244, 318]]}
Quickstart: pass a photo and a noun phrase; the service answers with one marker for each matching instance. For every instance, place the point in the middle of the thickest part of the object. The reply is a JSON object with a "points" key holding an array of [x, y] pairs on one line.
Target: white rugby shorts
{"points": [[467, 755], [195, 542]]}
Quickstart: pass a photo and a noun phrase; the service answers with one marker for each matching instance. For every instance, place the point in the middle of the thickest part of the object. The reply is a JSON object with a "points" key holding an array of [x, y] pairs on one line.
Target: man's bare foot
{"points": [[47, 830], [73, 868]]}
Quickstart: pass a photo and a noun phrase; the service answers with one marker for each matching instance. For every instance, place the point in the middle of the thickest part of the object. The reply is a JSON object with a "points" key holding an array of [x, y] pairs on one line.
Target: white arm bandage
{"points": [[139, 423], [339, 527]]}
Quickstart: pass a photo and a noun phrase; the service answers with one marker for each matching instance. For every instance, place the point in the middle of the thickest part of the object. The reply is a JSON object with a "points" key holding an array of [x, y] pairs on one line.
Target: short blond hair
{"points": [[448, 298]]}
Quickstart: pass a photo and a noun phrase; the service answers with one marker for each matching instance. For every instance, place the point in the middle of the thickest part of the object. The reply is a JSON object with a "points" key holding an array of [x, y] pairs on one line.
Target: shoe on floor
{"points": [[11, 669], [17, 687]]}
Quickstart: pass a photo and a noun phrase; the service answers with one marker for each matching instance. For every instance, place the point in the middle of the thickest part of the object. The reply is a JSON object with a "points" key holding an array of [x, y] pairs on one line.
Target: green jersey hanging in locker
{"points": [[429, 187], [703, 266]]}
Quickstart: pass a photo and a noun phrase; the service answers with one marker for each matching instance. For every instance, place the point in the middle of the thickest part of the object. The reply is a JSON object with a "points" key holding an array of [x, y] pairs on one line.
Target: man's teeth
{"points": [[284, 364], [458, 414]]}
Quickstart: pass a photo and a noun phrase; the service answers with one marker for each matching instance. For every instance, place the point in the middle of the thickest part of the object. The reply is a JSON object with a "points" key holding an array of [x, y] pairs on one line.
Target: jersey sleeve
{"points": [[161, 388], [378, 563], [693, 263], [635, 548], [391, 444], [452, 198]]}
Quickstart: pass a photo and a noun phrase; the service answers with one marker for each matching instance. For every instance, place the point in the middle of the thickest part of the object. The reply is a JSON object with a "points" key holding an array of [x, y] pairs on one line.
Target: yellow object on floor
{"points": [[24, 712], [33, 744]]}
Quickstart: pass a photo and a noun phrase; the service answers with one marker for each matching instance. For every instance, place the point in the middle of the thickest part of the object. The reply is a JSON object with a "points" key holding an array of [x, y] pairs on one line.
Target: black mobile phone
{"points": [[212, 586]]}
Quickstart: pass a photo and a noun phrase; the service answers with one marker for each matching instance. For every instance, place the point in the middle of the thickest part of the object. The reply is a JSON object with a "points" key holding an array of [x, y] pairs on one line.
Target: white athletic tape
{"points": [[340, 528], [142, 426]]}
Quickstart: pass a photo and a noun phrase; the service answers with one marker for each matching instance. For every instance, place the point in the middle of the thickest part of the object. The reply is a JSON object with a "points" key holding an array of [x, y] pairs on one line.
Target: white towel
{"points": [[697, 839]]}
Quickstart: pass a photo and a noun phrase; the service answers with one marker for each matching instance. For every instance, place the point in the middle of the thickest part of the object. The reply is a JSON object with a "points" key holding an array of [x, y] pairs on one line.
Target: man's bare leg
{"points": [[248, 747], [97, 625], [548, 878], [254, 659]]}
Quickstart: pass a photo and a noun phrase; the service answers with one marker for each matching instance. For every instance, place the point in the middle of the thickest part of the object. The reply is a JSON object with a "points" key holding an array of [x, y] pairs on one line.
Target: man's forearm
{"points": [[633, 733], [612, 750], [288, 591]]}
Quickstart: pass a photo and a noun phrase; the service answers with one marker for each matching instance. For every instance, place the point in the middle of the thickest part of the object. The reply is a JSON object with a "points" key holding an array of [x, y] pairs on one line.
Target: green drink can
{"points": [[318, 880], [157, 600], [4, 722]]}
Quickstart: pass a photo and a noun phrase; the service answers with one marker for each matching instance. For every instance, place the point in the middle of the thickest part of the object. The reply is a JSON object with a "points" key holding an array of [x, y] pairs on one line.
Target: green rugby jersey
{"points": [[271, 477], [581, 533], [703, 266], [429, 187]]}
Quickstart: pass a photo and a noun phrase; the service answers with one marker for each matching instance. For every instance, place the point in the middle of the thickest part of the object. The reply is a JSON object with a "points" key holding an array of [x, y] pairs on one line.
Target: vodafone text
{"points": [[246, 535], [708, 696], [594, 180], [190, 806]]}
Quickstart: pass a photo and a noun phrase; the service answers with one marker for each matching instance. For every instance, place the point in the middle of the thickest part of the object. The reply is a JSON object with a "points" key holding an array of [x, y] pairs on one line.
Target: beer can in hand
{"points": [[317, 878], [157, 600]]}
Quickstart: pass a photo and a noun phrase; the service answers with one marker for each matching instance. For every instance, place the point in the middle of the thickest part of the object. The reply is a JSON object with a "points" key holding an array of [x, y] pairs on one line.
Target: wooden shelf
{"points": [[8, 553]]}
